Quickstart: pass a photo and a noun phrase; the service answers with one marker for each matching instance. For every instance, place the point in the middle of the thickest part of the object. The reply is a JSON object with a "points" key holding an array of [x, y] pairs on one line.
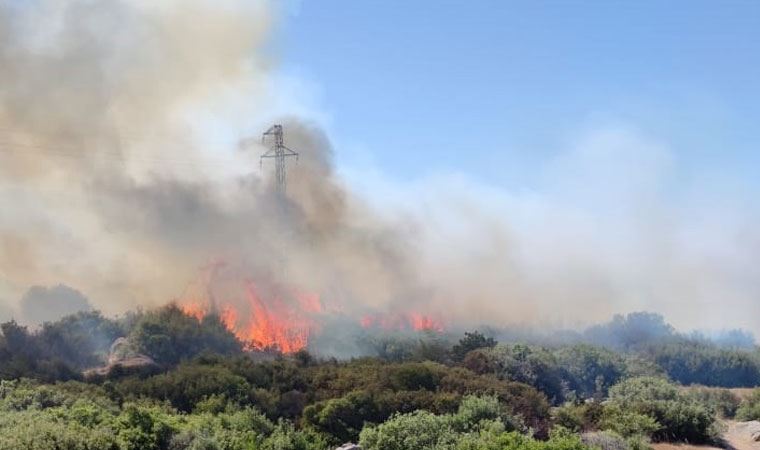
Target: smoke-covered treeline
{"points": [[637, 343], [627, 332]]}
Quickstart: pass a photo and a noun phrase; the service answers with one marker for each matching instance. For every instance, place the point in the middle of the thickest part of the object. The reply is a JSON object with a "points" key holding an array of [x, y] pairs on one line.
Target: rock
{"points": [[122, 356], [604, 440], [349, 446], [750, 430]]}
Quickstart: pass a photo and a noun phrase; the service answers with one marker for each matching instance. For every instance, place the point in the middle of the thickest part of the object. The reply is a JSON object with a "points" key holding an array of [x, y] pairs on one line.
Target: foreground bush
{"points": [[680, 417], [478, 424], [724, 402], [609, 440], [76, 416], [750, 407]]}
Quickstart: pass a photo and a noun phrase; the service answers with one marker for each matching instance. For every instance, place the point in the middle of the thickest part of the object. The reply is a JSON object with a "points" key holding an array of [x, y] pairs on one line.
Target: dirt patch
{"points": [[672, 446], [739, 435]]}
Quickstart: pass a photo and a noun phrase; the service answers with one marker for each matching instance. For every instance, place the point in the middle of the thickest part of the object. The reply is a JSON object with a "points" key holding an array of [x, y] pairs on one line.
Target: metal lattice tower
{"points": [[279, 152]]}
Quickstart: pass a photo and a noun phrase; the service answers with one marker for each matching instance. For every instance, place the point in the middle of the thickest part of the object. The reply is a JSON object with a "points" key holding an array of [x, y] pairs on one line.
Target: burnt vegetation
{"points": [[482, 390]]}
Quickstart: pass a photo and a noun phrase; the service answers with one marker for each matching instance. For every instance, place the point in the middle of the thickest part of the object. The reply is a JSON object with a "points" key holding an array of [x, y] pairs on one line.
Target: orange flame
{"points": [[276, 322], [194, 309], [422, 322], [277, 318], [402, 322], [229, 318]]}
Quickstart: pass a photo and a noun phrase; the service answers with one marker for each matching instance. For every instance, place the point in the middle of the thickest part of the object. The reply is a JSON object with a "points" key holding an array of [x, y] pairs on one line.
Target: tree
{"points": [[169, 336], [471, 341], [589, 370]]}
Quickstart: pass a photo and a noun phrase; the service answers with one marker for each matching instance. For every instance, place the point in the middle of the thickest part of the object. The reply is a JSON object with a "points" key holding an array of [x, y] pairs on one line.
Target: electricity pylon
{"points": [[279, 152]]}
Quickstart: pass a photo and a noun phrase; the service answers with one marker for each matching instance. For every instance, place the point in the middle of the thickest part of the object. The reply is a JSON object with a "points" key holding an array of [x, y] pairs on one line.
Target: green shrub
{"points": [[475, 411], [344, 417], [169, 336], [589, 371], [578, 417], [418, 430], [680, 418], [721, 400], [471, 341], [188, 385], [750, 407], [605, 440], [479, 424], [286, 437], [628, 423]]}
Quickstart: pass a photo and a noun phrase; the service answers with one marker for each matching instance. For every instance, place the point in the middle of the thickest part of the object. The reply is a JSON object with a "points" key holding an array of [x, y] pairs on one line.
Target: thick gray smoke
{"points": [[111, 189], [120, 176], [41, 304]]}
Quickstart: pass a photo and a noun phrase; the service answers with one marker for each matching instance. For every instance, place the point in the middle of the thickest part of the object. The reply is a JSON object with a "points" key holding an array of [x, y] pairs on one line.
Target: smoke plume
{"points": [[113, 191], [117, 179]]}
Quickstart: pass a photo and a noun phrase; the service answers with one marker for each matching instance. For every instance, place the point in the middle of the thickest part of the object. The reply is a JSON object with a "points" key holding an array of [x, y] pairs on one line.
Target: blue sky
{"points": [[494, 89]]}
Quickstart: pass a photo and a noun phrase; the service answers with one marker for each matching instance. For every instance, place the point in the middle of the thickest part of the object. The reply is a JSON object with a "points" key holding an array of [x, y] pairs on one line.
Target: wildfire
{"points": [[281, 320], [229, 317], [276, 323], [194, 309], [402, 322], [423, 322], [268, 316]]}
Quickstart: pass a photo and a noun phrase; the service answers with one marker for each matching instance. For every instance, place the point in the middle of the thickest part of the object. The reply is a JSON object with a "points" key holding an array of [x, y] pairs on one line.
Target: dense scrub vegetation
{"points": [[479, 423], [418, 391]]}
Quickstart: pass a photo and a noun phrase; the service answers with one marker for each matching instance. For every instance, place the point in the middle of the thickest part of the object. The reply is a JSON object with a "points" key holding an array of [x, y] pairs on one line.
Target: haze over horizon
{"points": [[615, 141]]}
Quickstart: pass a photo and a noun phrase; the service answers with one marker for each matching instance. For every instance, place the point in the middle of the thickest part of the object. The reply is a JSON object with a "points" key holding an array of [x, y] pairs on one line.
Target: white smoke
{"points": [[611, 227], [119, 177]]}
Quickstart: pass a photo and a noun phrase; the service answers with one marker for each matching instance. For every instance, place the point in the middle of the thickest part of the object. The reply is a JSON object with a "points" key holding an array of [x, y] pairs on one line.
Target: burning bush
{"points": [[262, 318]]}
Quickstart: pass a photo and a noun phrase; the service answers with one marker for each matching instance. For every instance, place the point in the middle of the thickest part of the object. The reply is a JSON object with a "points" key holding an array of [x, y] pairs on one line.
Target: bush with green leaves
{"points": [[349, 394], [78, 416], [680, 418], [188, 385], [750, 407], [563, 373], [605, 440], [628, 423], [419, 430], [344, 417], [589, 371], [724, 402], [476, 426], [471, 341], [169, 336], [578, 417], [534, 366]]}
